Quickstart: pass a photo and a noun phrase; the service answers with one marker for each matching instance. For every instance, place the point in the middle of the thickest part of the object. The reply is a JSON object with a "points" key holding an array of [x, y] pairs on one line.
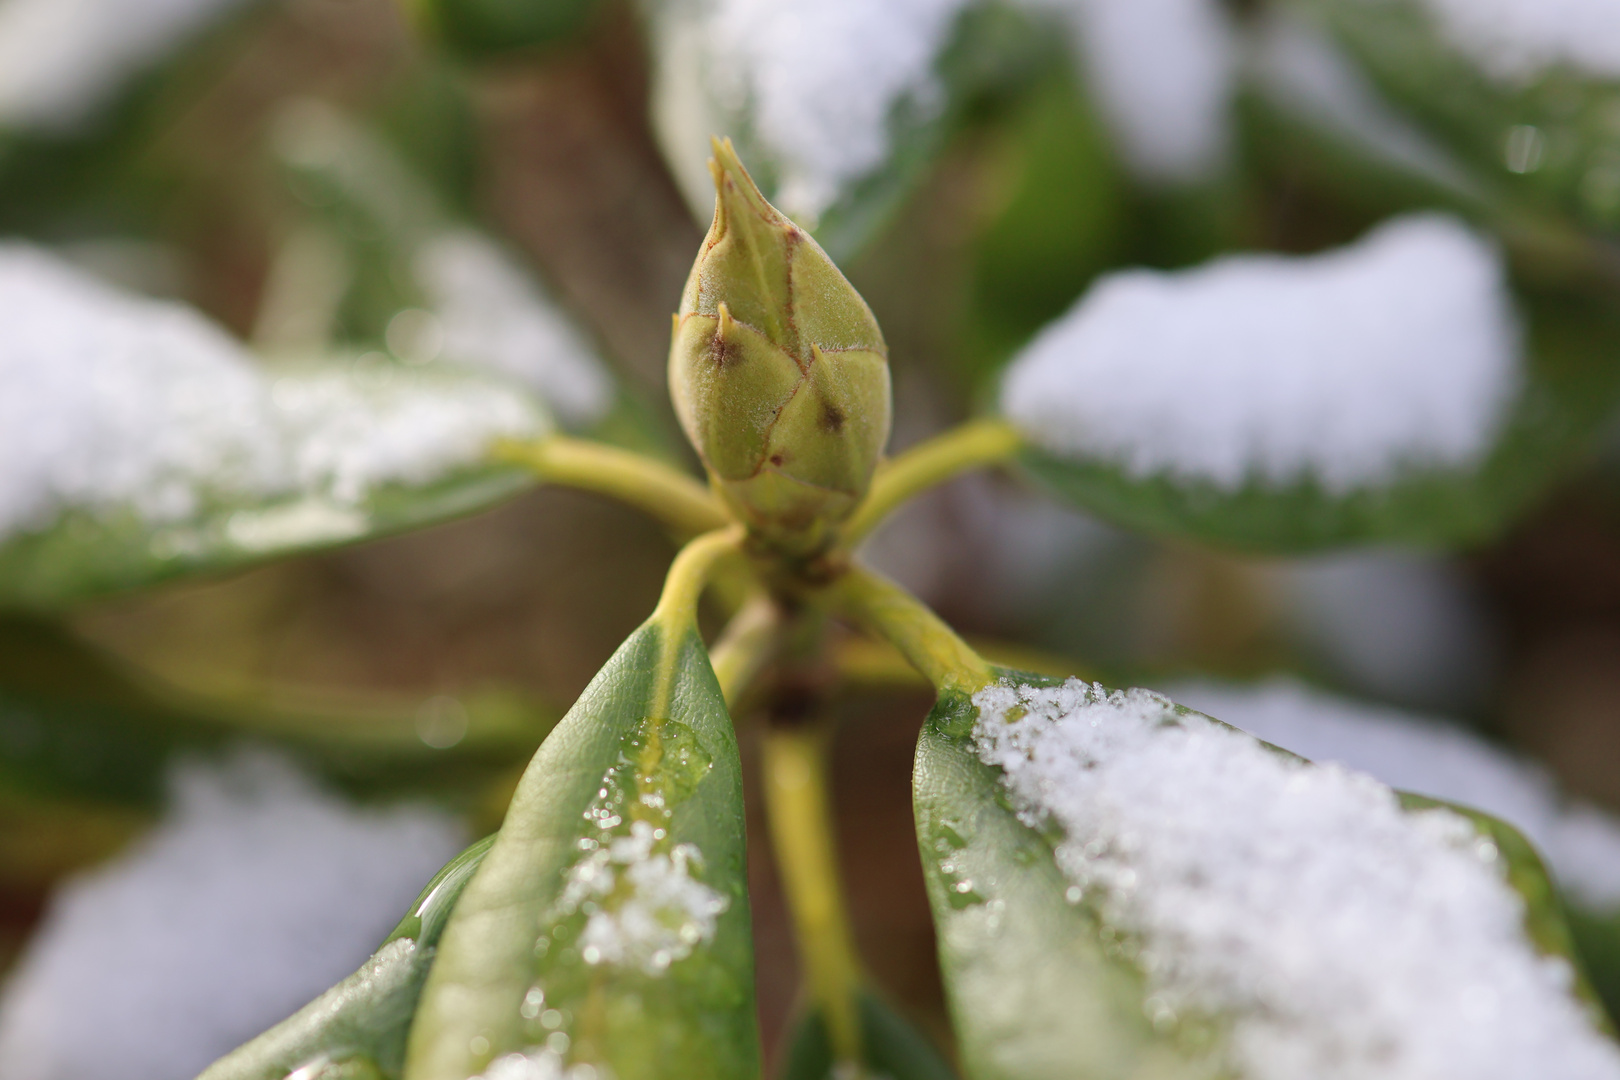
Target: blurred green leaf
{"points": [[893, 1047], [1035, 987], [609, 924], [76, 725], [482, 28], [1547, 136], [361, 1023]]}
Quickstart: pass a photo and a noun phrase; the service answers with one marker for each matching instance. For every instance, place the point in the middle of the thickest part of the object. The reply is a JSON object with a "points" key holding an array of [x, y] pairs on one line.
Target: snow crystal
{"points": [[256, 893], [1341, 936], [645, 909], [821, 78], [1398, 351], [1162, 73], [1516, 40], [1429, 757], [63, 60], [493, 317], [112, 402]]}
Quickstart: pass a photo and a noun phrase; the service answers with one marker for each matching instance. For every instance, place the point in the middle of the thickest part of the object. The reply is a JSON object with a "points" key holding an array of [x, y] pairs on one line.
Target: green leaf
{"points": [[893, 1047], [1544, 137], [76, 725], [486, 28], [359, 1027], [1038, 987], [1570, 391], [708, 82], [563, 947]]}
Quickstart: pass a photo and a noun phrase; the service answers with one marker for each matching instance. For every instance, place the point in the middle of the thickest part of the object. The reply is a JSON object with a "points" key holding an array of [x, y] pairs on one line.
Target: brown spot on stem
{"points": [[832, 419]]}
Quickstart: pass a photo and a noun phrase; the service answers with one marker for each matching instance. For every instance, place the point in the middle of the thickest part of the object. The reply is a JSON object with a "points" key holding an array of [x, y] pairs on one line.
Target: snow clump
{"points": [[1398, 352], [115, 403], [1428, 757], [1339, 935]]}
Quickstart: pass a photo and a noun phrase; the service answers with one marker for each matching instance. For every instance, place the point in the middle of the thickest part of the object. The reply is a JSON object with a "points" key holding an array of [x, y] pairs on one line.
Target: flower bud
{"points": [[778, 370]]}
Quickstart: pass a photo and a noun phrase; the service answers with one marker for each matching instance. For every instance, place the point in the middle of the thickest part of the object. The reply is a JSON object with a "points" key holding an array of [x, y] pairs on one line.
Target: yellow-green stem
{"points": [[973, 445], [683, 504], [801, 837], [883, 608], [676, 613], [745, 647]]}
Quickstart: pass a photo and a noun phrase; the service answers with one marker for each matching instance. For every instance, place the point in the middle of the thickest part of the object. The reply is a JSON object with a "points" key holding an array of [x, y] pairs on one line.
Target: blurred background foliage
{"points": [[433, 662]]}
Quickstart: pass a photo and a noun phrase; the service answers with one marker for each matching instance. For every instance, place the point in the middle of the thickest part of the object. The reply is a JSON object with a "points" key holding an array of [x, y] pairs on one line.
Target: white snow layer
{"points": [[1517, 40], [1162, 73], [63, 60], [111, 402], [256, 893], [1399, 351], [1341, 936], [492, 316], [1429, 757], [820, 79]]}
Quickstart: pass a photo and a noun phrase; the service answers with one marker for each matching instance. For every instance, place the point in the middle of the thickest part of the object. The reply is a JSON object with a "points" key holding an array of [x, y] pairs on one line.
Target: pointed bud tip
{"points": [[732, 182]]}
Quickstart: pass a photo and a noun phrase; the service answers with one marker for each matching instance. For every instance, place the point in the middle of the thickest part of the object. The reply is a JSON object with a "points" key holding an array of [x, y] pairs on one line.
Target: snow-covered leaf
{"points": [[608, 927], [363, 1021], [1125, 888], [1393, 389], [1523, 91], [837, 107], [138, 441]]}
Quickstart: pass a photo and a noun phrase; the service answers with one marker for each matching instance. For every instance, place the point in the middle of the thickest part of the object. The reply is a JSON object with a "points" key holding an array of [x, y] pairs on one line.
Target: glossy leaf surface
{"points": [[609, 924], [358, 1028], [1039, 988]]}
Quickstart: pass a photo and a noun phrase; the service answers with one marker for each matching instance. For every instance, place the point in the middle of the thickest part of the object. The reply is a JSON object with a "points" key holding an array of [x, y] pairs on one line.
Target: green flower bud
{"points": [[778, 370]]}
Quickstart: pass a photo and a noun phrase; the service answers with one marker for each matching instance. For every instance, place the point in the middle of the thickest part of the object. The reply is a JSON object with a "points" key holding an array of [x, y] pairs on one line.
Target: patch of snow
{"points": [[1397, 352], [111, 402], [1162, 73], [1303, 71], [821, 78], [644, 908], [256, 892], [62, 61], [1429, 757], [492, 316], [1341, 936], [1517, 40]]}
